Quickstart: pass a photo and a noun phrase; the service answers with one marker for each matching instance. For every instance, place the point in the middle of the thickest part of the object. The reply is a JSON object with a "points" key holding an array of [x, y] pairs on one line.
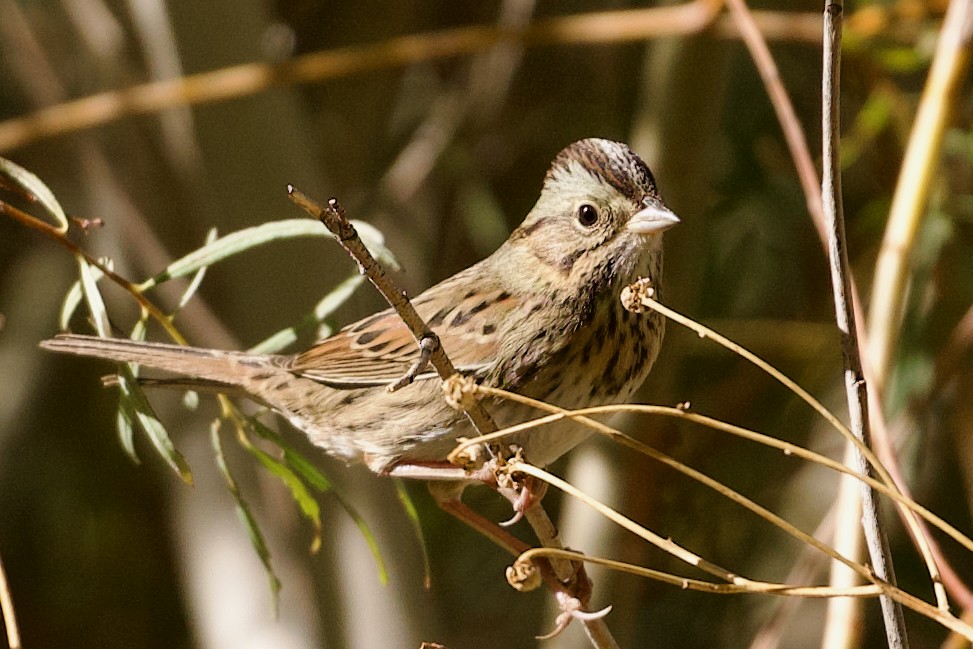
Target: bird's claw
{"points": [[572, 609], [427, 345], [523, 496]]}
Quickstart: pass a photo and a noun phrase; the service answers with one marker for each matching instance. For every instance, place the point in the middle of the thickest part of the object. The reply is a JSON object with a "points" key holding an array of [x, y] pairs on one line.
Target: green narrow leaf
{"points": [[140, 330], [96, 305], [306, 470], [297, 462], [409, 506], [305, 501], [237, 242], [366, 532], [126, 431], [246, 517], [316, 479], [71, 302], [336, 297], [279, 340], [323, 309], [126, 417], [197, 278], [36, 187], [147, 420]]}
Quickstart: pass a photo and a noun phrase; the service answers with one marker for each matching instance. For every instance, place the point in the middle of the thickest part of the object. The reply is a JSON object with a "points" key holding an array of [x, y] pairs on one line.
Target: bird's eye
{"points": [[587, 215]]}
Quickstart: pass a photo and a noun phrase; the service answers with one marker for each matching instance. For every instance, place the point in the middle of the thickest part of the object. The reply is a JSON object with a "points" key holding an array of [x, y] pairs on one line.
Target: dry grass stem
{"points": [[923, 543], [584, 417], [755, 36], [7, 606], [687, 583], [848, 505], [252, 78], [804, 164], [746, 585], [907, 213]]}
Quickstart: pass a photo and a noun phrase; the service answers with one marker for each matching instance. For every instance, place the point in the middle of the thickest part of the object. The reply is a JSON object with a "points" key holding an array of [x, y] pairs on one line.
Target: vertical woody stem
{"points": [[855, 386]]}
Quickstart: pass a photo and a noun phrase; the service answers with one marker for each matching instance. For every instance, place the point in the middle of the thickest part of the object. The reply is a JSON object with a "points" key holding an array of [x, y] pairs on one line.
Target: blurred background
{"points": [[445, 156]]}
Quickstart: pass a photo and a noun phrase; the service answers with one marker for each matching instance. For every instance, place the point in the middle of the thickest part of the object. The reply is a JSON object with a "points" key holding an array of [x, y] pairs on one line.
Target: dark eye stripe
{"points": [[527, 229]]}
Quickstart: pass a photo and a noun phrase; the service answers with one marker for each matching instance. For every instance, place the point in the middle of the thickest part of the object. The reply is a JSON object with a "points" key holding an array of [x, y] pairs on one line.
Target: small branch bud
{"points": [[523, 576]]}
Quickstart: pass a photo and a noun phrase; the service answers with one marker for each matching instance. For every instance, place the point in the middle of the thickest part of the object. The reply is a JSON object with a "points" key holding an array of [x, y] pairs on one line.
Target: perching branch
{"points": [[333, 217]]}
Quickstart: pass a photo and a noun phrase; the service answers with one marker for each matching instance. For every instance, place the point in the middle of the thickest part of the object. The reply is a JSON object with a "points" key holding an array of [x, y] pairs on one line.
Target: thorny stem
{"points": [[855, 386]]}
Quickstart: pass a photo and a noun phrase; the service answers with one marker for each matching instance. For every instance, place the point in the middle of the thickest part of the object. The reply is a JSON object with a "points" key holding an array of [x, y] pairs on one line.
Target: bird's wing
{"points": [[381, 349]]}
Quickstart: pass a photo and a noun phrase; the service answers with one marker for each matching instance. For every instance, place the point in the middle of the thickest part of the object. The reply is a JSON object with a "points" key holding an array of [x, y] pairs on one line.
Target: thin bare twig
{"points": [[855, 387], [888, 590], [847, 504], [59, 238], [749, 587], [583, 416], [906, 216]]}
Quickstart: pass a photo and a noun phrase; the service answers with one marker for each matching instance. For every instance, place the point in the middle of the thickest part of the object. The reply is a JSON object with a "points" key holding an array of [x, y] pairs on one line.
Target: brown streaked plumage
{"points": [[541, 316]]}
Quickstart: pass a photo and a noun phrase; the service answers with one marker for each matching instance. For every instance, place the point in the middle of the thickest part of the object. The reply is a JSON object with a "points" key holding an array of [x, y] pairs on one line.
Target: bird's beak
{"points": [[652, 219]]}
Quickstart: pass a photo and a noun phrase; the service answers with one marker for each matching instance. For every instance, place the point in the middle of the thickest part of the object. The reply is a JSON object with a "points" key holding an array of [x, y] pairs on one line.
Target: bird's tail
{"points": [[205, 366]]}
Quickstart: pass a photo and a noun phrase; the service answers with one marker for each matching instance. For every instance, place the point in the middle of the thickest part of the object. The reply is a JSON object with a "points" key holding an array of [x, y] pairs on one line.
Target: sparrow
{"points": [[541, 317]]}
